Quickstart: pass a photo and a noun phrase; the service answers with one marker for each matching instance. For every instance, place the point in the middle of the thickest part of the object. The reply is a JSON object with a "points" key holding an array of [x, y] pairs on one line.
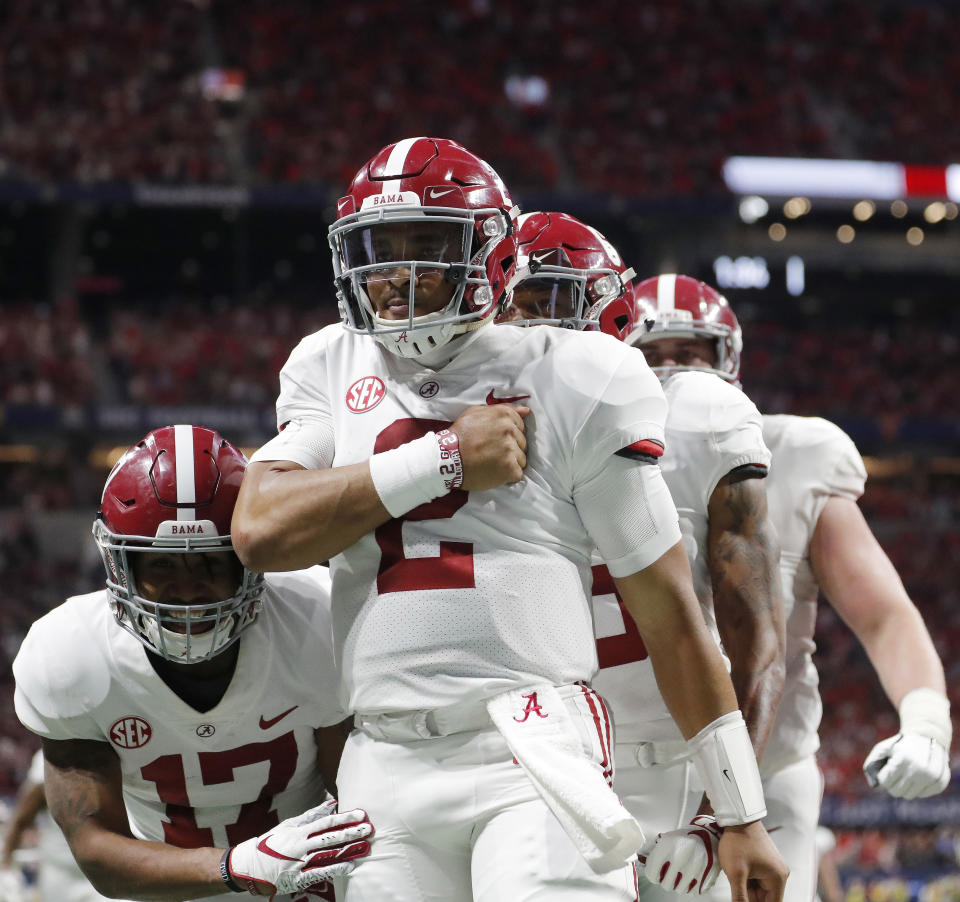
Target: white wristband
{"points": [[409, 476], [727, 766], [927, 712]]}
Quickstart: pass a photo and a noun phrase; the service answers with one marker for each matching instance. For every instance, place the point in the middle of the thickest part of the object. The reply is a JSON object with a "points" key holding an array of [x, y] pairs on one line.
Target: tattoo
{"points": [[83, 783], [744, 571]]}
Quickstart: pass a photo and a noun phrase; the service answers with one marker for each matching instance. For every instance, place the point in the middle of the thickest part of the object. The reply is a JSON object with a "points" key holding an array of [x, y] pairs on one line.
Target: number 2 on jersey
{"points": [[453, 568], [625, 647]]}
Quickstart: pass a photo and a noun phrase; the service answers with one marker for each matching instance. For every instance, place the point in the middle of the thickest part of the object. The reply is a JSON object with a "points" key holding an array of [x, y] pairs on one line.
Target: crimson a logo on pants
{"points": [[130, 732], [533, 707]]}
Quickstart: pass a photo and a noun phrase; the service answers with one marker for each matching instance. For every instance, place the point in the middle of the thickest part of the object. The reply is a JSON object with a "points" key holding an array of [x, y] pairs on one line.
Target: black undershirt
{"points": [[200, 693]]}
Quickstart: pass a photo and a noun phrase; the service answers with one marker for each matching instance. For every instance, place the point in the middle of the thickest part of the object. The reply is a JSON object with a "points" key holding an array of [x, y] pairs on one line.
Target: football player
{"points": [[714, 466], [815, 480], [188, 709], [458, 477]]}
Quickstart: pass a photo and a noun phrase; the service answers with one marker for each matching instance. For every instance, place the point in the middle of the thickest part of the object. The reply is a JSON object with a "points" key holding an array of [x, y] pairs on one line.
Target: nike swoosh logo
{"points": [[439, 192], [726, 774], [266, 724], [491, 399], [263, 847], [541, 257]]}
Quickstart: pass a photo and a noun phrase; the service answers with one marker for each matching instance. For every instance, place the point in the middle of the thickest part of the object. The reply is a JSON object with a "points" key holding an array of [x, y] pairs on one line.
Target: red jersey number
{"points": [[255, 817], [453, 568], [625, 647]]}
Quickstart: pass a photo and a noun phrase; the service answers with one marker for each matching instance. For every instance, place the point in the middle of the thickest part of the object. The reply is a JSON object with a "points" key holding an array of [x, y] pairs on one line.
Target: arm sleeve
{"points": [[628, 512]]}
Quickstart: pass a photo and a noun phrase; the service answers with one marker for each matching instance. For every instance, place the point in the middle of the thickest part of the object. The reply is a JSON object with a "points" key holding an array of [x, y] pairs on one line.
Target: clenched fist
{"points": [[493, 445]]}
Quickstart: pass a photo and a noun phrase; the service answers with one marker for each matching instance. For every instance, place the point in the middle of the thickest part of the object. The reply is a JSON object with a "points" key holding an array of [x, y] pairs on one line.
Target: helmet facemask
{"points": [[679, 324], [547, 290], [406, 257], [183, 633]]}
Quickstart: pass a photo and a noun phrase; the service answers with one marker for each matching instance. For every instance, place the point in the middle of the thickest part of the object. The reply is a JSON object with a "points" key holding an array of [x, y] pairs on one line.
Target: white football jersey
{"points": [[193, 779], [712, 428], [812, 460], [477, 592]]}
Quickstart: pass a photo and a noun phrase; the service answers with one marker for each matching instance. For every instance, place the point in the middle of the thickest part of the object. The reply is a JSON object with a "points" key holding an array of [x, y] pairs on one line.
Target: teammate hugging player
{"points": [[189, 707]]}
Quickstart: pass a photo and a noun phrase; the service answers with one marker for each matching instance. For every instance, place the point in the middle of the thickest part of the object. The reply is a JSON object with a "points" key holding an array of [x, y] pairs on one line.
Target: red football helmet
{"points": [[424, 221], [674, 306], [567, 272], [171, 493]]}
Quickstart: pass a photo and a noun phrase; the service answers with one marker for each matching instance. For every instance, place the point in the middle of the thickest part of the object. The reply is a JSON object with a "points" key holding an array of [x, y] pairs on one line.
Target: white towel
{"points": [[548, 747]]}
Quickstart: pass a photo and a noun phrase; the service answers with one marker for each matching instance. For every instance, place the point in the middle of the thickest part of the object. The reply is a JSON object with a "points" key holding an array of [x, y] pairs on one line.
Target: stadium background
{"points": [[168, 169]]}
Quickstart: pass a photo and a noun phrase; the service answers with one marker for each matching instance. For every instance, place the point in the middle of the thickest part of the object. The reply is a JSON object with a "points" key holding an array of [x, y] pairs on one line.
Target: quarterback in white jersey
{"points": [[189, 709], [458, 477], [815, 480]]}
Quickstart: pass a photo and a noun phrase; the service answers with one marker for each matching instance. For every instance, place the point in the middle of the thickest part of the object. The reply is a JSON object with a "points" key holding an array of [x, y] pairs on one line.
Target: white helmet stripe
{"points": [[667, 292], [395, 163], [186, 474]]}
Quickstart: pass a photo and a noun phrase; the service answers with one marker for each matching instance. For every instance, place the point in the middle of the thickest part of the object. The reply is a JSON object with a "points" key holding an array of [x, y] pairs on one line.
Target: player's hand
{"points": [[908, 766], [493, 446], [686, 860], [752, 863], [300, 851]]}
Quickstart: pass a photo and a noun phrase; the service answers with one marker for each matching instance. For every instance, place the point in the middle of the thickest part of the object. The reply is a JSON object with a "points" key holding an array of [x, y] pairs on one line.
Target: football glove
{"points": [[916, 762], [686, 860], [314, 846]]}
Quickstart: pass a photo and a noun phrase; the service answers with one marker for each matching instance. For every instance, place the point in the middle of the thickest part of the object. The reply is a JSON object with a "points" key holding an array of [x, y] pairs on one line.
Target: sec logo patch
{"points": [[130, 732], [365, 394]]}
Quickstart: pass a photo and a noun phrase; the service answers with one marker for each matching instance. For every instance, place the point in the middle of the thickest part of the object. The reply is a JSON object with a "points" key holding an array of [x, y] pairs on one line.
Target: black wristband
{"points": [[225, 874]]}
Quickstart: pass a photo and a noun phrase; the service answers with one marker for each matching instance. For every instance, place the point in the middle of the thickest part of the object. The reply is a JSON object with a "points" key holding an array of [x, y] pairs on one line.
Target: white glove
{"points": [[686, 860], [916, 762], [309, 848], [908, 766]]}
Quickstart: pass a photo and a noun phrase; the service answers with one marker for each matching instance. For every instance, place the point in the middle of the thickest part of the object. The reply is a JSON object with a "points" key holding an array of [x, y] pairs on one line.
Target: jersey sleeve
{"points": [[848, 476], [623, 501], [629, 514], [53, 696], [627, 409], [304, 422], [719, 427]]}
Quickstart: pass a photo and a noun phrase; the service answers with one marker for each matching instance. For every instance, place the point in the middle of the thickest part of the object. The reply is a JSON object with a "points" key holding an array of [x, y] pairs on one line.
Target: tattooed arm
{"points": [[744, 569], [85, 797]]}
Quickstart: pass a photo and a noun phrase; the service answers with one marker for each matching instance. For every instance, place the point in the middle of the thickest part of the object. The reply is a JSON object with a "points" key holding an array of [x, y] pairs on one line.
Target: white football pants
{"points": [[456, 820]]}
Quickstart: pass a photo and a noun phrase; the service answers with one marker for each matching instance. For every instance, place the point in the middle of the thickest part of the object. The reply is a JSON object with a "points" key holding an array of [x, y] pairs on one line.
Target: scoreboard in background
{"points": [[759, 272]]}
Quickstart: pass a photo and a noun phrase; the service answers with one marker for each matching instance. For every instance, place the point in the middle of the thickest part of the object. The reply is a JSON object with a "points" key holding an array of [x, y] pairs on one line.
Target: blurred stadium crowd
{"points": [[254, 92], [99, 90]]}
